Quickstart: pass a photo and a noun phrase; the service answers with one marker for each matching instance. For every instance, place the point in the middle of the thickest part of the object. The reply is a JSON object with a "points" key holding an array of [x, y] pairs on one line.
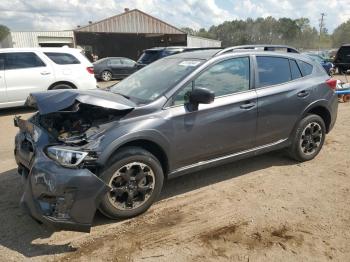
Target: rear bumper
{"points": [[333, 107], [63, 198]]}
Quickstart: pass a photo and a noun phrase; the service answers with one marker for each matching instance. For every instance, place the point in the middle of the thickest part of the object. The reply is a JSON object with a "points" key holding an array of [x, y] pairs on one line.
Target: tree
{"points": [[341, 34], [188, 30], [4, 31]]}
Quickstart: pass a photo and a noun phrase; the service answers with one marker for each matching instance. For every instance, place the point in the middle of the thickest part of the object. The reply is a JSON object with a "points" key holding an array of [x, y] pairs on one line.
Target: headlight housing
{"points": [[66, 157]]}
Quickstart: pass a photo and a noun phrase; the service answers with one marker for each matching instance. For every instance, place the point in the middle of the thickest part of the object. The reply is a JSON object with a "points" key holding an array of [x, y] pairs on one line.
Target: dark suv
{"points": [[342, 59], [112, 150], [153, 54]]}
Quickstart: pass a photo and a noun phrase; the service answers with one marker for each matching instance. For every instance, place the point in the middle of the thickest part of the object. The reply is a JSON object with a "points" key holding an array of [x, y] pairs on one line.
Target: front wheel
{"points": [[308, 138], [136, 180]]}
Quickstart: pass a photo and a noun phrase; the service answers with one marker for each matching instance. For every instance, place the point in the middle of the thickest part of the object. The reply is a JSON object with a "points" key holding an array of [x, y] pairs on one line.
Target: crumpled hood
{"points": [[58, 100]]}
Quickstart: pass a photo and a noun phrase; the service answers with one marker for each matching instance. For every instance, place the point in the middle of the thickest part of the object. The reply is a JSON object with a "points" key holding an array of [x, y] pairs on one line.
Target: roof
{"points": [[133, 21], [208, 54], [40, 49], [201, 54]]}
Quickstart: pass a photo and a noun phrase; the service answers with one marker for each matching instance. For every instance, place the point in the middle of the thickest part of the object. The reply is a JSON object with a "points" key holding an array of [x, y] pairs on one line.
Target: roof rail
{"points": [[288, 49]]}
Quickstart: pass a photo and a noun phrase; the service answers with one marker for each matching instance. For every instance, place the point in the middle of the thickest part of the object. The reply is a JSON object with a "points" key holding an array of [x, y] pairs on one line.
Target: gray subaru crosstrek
{"points": [[111, 150]]}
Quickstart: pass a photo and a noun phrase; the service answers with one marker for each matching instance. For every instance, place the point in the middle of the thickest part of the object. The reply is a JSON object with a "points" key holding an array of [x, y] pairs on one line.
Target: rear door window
{"points": [[305, 68], [114, 62], [273, 70], [62, 58], [20, 60], [294, 69], [128, 62]]}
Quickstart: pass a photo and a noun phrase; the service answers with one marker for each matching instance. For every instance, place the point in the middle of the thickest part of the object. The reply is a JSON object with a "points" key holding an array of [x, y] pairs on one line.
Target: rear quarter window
{"points": [[273, 70], [294, 69], [62, 58], [305, 68]]}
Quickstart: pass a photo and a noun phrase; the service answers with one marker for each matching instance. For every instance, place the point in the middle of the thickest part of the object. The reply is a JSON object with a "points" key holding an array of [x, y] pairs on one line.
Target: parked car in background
{"points": [[150, 55], [153, 54], [110, 68], [328, 66], [342, 59], [112, 150], [27, 70]]}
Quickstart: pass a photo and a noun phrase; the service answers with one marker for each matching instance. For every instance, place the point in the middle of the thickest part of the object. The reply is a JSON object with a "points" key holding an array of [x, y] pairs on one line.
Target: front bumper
{"points": [[63, 198]]}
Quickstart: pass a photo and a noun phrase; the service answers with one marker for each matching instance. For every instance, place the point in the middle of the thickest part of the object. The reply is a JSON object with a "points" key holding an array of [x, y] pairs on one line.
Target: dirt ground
{"points": [[266, 208]]}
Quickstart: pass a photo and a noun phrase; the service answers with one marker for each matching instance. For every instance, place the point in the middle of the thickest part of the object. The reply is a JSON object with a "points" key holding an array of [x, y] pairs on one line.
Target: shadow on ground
{"points": [[18, 231]]}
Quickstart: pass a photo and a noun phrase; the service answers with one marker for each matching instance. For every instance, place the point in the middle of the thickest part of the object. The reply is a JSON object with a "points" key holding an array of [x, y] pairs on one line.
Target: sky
{"points": [[40, 15]]}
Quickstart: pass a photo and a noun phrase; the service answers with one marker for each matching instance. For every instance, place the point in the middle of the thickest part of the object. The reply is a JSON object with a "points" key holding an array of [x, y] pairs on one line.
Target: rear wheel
{"points": [[136, 179], [308, 138], [106, 76], [61, 86]]}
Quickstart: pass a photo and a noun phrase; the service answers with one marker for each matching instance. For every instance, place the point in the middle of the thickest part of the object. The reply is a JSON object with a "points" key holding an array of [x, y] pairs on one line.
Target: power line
{"points": [[321, 27]]}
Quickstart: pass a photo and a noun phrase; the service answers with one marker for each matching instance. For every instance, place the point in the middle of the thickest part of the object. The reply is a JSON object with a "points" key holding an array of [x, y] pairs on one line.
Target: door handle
{"points": [[247, 105], [45, 73], [303, 93]]}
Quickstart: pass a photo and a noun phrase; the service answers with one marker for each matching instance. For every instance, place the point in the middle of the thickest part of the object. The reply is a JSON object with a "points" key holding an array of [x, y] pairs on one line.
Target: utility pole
{"points": [[321, 27]]}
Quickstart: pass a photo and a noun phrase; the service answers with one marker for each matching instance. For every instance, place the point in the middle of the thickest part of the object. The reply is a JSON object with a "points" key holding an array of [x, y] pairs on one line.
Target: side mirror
{"points": [[200, 96]]}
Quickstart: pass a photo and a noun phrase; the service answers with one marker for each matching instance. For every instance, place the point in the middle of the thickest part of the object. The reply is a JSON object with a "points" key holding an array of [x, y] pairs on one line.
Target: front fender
{"points": [[150, 135]]}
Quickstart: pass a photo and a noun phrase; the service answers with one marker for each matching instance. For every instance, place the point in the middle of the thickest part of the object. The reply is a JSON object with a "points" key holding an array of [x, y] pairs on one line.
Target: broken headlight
{"points": [[66, 157]]}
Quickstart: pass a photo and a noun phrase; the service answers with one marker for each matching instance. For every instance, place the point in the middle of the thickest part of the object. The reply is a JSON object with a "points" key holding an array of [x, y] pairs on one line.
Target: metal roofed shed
{"points": [[38, 39], [131, 32]]}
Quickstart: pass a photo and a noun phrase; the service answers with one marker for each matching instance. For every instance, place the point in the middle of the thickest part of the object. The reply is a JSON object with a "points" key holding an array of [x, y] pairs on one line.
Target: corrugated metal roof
{"points": [[133, 21], [32, 39]]}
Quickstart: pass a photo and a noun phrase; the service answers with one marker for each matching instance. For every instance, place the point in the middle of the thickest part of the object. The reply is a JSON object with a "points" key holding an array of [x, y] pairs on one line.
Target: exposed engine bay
{"points": [[79, 122]]}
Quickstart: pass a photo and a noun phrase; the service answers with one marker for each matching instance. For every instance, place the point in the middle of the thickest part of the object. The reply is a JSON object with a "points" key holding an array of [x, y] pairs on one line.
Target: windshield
{"points": [[316, 58], [153, 80], [149, 56]]}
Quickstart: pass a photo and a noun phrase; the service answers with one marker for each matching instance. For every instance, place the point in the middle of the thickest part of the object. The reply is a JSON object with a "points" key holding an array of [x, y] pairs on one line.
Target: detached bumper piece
{"points": [[64, 198]]}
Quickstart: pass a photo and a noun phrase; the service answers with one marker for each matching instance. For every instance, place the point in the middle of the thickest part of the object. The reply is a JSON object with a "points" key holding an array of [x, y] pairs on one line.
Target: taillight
{"points": [[332, 83], [90, 69]]}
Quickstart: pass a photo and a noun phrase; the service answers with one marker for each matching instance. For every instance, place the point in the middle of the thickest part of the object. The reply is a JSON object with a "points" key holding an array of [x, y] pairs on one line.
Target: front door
{"points": [[226, 126]]}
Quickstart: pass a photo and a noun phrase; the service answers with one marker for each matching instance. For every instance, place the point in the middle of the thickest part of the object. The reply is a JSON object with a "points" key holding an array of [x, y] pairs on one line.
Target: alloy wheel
{"points": [[106, 76], [311, 138], [132, 185]]}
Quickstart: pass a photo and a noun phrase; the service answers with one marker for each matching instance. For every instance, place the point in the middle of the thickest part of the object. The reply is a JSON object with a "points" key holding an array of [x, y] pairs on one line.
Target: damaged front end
{"points": [[56, 152]]}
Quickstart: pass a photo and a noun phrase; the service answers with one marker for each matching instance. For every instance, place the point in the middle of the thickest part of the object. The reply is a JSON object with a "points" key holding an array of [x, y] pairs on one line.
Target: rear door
{"points": [[116, 67], [26, 72], [283, 94], [128, 66], [3, 94]]}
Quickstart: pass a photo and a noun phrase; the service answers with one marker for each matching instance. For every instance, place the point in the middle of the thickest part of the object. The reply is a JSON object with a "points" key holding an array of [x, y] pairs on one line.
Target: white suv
{"points": [[27, 70]]}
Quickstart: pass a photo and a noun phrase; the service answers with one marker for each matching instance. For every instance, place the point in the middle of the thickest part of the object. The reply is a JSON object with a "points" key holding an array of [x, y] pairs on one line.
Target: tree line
{"points": [[295, 32]]}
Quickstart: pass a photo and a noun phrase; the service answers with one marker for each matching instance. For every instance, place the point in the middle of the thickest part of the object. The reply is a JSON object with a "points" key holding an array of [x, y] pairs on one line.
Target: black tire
{"points": [[342, 70], [106, 75], [61, 86], [120, 160], [301, 140]]}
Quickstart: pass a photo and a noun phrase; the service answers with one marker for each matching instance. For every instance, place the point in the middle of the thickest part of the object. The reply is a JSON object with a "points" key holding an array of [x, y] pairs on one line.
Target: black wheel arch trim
{"points": [[316, 104], [151, 136]]}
